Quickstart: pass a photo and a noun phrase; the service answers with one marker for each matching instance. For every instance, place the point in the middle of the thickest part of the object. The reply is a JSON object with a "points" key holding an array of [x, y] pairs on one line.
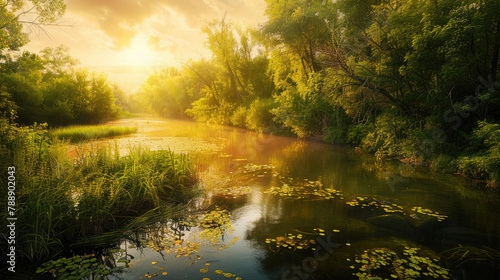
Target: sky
{"points": [[127, 39]]}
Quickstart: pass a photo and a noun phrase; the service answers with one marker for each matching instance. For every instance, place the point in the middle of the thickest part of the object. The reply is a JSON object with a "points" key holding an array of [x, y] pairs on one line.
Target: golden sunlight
{"points": [[139, 53]]}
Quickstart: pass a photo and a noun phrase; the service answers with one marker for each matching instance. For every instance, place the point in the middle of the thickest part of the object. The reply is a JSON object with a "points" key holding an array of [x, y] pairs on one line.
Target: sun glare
{"points": [[139, 53]]}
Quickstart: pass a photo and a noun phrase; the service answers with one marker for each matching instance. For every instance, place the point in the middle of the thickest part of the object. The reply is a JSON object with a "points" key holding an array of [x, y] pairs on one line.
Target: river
{"points": [[285, 208]]}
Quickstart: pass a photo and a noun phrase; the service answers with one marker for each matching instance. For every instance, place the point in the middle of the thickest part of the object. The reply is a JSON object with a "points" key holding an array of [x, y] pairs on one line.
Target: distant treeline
{"points": [[49, 88], [414, 79]]}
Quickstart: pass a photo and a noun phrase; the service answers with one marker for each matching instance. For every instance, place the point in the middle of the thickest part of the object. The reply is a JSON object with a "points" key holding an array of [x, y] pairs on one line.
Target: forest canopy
{"points": [[415, 79]]}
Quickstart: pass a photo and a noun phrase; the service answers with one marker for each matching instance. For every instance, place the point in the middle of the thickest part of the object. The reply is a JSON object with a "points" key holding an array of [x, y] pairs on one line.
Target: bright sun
{"points": [[139, 53]]}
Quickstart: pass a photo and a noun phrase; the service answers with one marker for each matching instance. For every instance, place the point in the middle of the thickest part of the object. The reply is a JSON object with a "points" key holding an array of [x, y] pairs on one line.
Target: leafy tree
{"points": [[300, 27], [13, 14], [58, 61], [224, 46], [169, 91], [22, 79], [382, 74]]}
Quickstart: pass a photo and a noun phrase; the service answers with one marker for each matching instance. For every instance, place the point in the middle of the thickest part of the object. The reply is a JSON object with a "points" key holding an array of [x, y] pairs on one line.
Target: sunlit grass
{"points": [[64, 200], [76, 134]]}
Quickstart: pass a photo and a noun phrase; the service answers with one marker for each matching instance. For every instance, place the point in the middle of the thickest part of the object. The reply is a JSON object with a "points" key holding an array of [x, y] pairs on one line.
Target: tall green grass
{"points": [[61, 201], [82, 133]]}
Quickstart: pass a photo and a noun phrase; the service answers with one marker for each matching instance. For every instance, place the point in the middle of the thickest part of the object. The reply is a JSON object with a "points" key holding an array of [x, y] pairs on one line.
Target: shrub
{"points": [[335, 135], [356, 133], [485, 163], [259, 116], [239, 117], [443, 163]]}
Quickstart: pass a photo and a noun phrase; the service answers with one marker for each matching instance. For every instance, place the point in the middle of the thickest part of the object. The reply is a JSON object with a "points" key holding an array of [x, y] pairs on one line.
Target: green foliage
{"points": [[12, 16], [485, 163], [59, 113], [57, 60], [168, 93], [48, 88], [306, 108], [259, 116], [382, 75], [220, 89], [443, 163], [205, 110], [335, 135], [387, 134], [62, 200], [88, 96], [357, 132], [26, 94], [8, 109], [239, 117], [300, 26], [290, 112]]}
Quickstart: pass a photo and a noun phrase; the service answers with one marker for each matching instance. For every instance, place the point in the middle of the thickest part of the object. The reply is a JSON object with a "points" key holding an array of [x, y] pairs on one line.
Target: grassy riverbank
{"points": [[60, 201], [80, 133]]}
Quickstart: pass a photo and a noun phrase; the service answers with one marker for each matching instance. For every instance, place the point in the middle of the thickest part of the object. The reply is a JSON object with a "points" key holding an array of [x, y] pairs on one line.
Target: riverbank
{"points": [[419, 149], [256, 188], [60, 201]]}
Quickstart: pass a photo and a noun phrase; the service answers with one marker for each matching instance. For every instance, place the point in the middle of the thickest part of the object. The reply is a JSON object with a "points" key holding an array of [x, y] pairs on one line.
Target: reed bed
{"points": [[81, 133], [62, 201]]}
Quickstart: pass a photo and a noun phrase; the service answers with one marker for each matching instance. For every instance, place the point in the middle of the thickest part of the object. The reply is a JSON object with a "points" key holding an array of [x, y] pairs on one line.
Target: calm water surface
{"points": [[265, 188]]}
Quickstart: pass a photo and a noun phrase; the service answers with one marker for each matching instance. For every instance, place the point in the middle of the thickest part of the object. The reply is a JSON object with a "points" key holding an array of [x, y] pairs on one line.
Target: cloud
{"points": [[155, 42], [122, 20], [103, 30]]}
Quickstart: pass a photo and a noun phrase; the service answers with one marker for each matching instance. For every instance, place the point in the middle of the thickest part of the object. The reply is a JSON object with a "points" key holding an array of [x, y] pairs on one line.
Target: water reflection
{"points": [[261, 188]]}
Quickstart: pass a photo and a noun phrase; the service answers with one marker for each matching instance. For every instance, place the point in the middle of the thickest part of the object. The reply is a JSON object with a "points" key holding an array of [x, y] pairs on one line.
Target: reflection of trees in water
{"points": [[170, 235], [229, 203], [279, 218], [307, 160], [276, 261]]}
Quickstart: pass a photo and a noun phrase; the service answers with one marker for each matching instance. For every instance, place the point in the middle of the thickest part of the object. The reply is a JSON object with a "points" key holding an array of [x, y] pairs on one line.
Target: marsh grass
{"points": [[75, 134], [60, 201]]}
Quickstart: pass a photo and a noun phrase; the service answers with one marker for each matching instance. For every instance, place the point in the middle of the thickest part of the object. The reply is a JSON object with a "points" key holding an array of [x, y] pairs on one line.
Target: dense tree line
{"points": [[415, 78], [47, 87]]}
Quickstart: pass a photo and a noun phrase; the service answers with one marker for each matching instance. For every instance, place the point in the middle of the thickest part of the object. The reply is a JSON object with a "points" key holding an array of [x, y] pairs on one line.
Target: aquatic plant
{"points": [[439, 216], [168, 237], [305, 189], [383, 263], [226, 274], [373, 203], [215, 223], [263, 168], [190, 248], [77, 267], [292, 242], [367, 202]]}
